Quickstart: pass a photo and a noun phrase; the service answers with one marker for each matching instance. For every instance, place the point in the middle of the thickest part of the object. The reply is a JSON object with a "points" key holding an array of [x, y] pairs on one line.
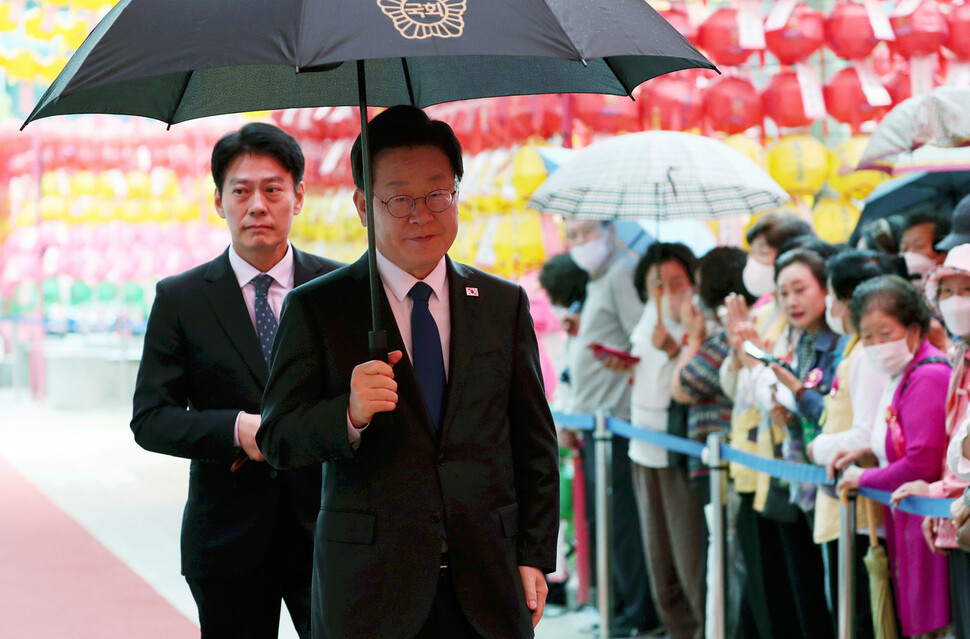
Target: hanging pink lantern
{"points": [[718, 36], [958, 40], [848, 31], [922, 32], [782, 101], [732, 105], [846, 101], [802, 35], [672, 103]]}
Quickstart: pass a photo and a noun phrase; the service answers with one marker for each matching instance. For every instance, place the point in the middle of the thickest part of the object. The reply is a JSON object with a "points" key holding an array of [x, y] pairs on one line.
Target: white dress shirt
{"points": [[397, 285], [283, 277]]}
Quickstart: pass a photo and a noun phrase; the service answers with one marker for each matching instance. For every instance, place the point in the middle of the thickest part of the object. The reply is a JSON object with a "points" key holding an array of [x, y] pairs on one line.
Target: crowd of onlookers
{"points": [[851, 358]]}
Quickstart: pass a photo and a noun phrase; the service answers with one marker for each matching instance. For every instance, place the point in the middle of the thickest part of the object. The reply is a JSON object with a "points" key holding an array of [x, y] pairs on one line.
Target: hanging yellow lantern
{"points": [[21, 65], [74, 31], [747, 147], [835, 219], [843, 177], [800, 164], [528, 171]]}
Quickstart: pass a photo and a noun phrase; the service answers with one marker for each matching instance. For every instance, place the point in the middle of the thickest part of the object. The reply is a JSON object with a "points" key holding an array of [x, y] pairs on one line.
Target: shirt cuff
{"points": [[353, 433], [235, 430]]}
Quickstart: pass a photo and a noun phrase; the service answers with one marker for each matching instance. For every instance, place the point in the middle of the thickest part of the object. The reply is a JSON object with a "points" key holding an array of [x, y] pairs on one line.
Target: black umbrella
{"points": [[939, 191], [174, 60]]}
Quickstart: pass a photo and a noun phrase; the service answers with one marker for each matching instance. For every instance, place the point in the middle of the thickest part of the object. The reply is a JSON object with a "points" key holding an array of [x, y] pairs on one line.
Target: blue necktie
{"points": [[429, 365], [266, 323]]}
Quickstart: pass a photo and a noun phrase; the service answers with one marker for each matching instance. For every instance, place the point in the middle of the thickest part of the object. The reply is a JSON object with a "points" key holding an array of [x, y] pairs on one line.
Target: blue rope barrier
{"points": [[659, 438], [922, 506], [575, 421], [792, 471]]}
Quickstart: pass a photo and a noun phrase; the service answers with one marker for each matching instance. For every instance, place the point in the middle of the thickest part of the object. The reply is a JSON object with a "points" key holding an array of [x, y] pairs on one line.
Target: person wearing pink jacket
{"points": [[908, 440], [948, 289]]}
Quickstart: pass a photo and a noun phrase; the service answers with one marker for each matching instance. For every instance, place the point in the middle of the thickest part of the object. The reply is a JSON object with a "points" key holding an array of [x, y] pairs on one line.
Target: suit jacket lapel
{"points": [[225, 298], [462, 333], [303, 272]]}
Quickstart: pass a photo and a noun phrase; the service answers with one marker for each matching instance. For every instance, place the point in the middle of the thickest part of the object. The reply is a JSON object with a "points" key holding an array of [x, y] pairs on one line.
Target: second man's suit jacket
{"points": [[201, 366], [490, 479]]}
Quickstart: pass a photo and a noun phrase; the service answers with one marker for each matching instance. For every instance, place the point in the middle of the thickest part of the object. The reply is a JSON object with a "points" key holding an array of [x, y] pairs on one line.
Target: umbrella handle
{"points": [[660, 313], [871, 510]]}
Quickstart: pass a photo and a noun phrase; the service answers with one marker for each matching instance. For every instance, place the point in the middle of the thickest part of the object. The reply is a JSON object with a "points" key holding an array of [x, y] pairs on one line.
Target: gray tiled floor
{"points": [[131, 500]]}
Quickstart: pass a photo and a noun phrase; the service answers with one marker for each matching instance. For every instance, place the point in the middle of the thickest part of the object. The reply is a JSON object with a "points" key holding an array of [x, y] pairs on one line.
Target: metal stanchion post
{"points": [[847, 532], [718, 536], [604, 523]]}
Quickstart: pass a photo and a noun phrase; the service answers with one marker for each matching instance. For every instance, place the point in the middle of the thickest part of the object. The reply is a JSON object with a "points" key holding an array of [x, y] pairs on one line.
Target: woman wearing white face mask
{"points": [[764, 240], [908, 438], [850, 409], [948, 288]]}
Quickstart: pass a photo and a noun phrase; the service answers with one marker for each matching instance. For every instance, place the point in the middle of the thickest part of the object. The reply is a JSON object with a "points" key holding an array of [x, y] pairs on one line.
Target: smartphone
{"points": [[762, 355], [601, 350], [575, 308]]}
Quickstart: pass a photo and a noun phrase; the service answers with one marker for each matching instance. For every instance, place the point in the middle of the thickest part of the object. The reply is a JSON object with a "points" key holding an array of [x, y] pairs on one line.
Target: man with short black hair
{"points": [[441, 492], [247, 540]]}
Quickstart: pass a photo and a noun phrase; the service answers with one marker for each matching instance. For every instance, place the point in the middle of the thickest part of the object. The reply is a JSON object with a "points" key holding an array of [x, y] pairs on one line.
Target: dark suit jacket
{"points": [[491, 477], [202, 365]]}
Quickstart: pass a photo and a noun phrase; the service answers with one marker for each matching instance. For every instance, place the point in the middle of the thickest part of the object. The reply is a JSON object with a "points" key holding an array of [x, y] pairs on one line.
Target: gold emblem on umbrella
{"points": [[420, 20]]}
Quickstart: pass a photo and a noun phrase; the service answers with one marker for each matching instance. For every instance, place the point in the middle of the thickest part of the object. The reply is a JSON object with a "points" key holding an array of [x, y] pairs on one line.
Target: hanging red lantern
{"points": [[535, 116], [782, 101], [846, 101], [718, 36], [607, 113], [800, 37], [921, 32], [732, 105], [672, 103], [848, 31], [958, 22], [681, 21], [899, 85]]}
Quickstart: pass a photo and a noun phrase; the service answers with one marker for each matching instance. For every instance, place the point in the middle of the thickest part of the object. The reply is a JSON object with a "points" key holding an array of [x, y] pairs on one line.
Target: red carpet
{"points": [[58, 581]]}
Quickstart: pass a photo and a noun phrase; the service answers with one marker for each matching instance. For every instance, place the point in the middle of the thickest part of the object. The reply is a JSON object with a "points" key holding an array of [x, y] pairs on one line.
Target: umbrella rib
{"points": [[407, 81], [181, 94], [618, 79]]}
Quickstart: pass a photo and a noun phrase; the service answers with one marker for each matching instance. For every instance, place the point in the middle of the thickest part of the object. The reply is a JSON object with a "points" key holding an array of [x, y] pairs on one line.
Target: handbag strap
{"points": [[925, 360]]}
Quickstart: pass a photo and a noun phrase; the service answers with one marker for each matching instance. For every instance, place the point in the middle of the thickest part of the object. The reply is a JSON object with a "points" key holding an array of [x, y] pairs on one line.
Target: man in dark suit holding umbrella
{"points": [[246, 535], [440, 505]]}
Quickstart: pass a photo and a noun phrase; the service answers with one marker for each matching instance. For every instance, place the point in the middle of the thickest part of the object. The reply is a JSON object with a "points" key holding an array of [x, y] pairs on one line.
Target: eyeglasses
{"points": [[401, 206]]}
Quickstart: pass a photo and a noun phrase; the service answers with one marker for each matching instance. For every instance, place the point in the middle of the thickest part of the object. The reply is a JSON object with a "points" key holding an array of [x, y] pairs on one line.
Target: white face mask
{"points": [[758, 278], [891, 358], [918, 266], [592, 255], [835, 323], [956, 314]]}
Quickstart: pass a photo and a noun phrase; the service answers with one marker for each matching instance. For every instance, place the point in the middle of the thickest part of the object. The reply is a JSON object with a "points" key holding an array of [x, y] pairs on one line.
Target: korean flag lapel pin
{"points": [[471, 291]]}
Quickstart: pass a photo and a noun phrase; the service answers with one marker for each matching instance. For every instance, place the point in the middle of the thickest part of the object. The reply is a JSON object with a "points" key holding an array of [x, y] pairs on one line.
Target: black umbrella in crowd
{"points": [[175, 60]]}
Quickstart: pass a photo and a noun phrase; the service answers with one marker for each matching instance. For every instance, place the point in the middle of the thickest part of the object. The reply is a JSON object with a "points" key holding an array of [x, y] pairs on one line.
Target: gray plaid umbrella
{"points": [[658, 175]]}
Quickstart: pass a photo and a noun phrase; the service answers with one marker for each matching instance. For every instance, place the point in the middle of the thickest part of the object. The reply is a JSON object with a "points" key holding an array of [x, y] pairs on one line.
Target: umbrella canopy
{"points": [[174, 60], [638, 235], [936, 191], [658, 175], [932, 122], [880, 593]]}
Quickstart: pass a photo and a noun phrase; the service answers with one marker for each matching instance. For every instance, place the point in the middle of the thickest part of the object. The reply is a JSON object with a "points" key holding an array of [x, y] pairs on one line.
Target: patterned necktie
{"points": [[266, 323], [429, 365]]}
